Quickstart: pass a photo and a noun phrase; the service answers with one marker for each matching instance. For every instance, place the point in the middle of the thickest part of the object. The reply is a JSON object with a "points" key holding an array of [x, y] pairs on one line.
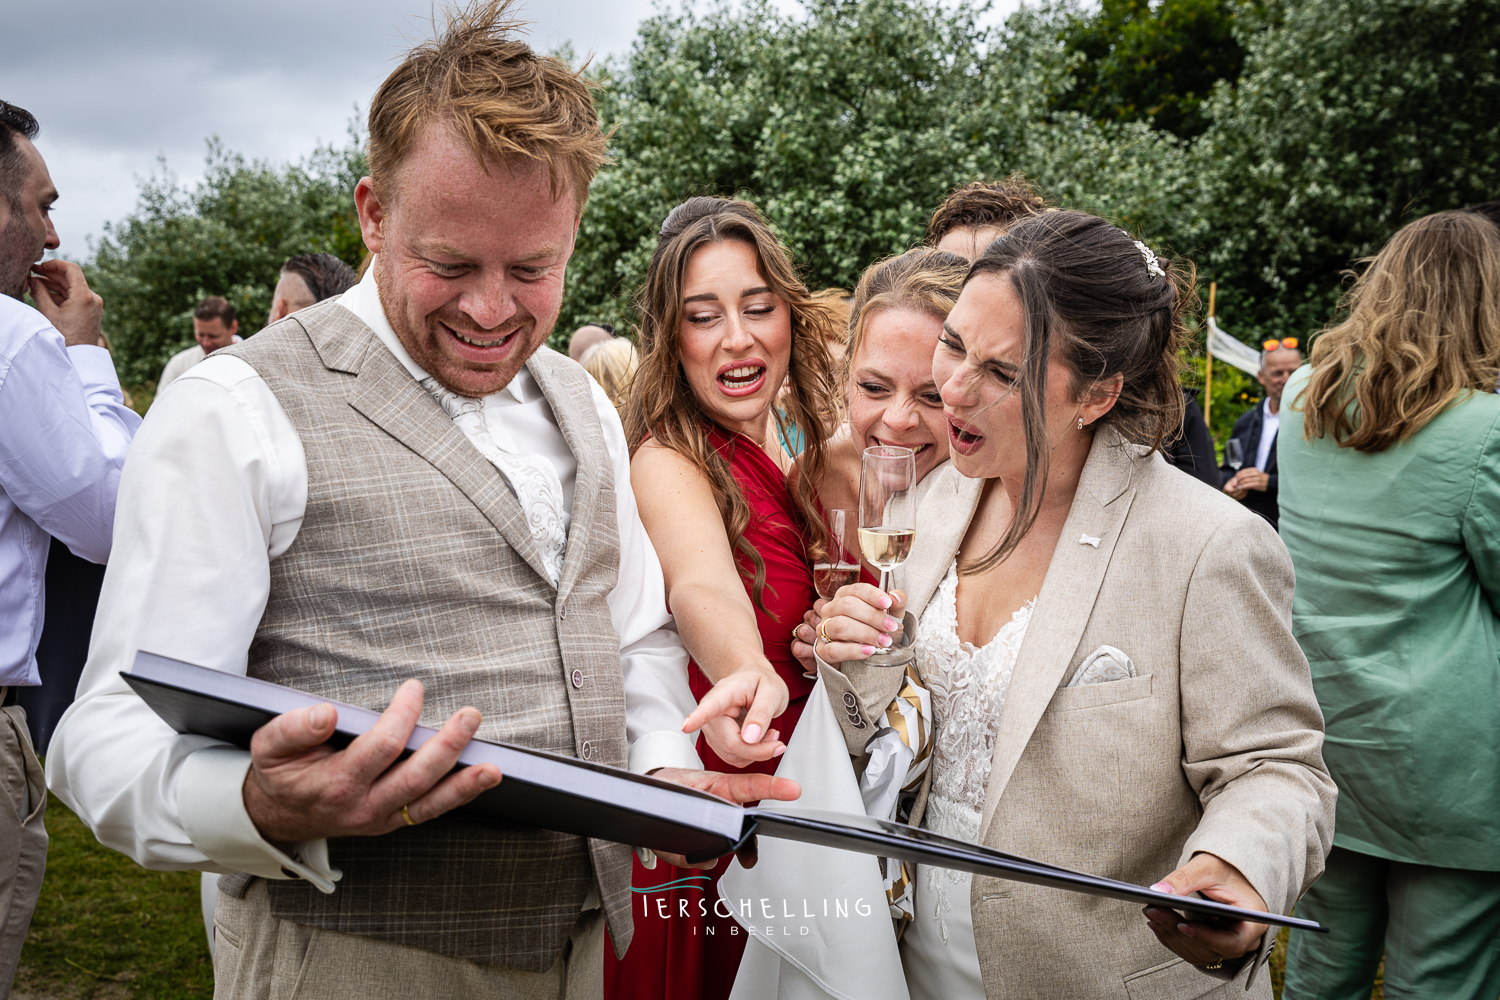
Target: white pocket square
{"points": [[1101, 666]]}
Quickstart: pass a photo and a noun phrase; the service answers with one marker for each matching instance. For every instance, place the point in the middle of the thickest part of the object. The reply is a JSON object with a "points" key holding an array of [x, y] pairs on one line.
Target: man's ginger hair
{"points": [[508, 103]]}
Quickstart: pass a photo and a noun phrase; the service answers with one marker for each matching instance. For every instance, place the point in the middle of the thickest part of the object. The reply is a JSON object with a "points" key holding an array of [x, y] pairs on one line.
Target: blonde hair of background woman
{"points": [[1423, 332], [613, 364], [925, 279]]}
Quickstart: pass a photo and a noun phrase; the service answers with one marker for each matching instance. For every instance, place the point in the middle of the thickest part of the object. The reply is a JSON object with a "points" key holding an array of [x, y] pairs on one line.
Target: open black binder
{"points": [[560, 793]]}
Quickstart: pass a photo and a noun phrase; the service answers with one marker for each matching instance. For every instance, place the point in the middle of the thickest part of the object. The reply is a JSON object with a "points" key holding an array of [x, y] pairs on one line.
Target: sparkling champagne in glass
{"points": [[887, 523], [837, 567]]}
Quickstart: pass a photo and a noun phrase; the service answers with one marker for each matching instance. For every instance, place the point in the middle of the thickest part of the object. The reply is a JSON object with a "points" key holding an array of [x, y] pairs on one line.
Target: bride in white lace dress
{"points": [[968, 691], [1106, 642]]}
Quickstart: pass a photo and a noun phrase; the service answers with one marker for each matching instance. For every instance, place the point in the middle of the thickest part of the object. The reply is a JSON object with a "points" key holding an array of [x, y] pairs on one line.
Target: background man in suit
{"points": [[214, 328], [1255, 485], [400, 498]]}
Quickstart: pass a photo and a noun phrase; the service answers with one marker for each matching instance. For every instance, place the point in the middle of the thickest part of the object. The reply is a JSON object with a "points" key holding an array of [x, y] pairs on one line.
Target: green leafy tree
{"points": [[227, 236], [1352, 118], [1135, 60], [847, 126]]}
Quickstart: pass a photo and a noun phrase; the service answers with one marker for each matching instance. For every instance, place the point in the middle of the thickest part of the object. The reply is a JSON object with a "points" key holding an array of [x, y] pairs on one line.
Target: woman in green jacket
{"points": [[1390, 506]]}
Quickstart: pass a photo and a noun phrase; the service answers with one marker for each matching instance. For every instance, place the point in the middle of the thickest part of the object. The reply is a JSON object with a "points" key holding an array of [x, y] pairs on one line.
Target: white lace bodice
{"points": [[968, 686]]}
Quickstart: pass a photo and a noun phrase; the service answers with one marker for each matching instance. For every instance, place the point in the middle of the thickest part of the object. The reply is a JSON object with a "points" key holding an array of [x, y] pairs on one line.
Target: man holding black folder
{"points": [[399, 485]]}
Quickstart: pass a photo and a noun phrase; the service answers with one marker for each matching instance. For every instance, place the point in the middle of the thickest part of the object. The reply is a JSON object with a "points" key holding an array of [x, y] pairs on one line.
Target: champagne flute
{"points": [[837, 567], [887, 525], [1234, 454]]}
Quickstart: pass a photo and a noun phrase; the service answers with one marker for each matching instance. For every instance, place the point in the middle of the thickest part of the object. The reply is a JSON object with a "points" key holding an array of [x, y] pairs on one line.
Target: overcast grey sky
{"points": [[115, 83]]}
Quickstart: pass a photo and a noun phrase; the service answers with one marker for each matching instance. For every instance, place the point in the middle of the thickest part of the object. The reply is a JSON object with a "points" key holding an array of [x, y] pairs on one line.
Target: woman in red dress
{"points": [[724, 322]]}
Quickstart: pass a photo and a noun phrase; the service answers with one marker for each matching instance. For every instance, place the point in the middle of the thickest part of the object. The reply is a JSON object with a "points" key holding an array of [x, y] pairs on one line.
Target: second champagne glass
{"points": [[887, 523], [1234, 454], [837, 567]]}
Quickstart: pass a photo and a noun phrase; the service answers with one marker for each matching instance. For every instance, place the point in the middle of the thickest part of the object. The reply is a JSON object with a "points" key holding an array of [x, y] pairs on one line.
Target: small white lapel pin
{"points": [[1089, 540]]}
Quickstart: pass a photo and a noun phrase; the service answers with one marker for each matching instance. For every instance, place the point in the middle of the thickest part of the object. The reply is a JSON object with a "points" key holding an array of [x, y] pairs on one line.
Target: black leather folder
{"points": [[554, 792]]}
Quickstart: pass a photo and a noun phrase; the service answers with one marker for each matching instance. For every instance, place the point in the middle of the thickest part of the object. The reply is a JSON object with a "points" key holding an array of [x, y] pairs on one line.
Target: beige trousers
{"points": [[259, 957], [23, 838]]}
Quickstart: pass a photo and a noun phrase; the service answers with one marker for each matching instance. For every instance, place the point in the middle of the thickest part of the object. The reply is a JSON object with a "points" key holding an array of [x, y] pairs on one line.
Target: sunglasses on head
{"points": [[1290, 343]]}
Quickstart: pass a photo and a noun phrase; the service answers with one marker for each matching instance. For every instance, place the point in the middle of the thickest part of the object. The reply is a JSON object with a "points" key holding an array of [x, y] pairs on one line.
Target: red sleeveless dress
{"points": [[685, 947]]}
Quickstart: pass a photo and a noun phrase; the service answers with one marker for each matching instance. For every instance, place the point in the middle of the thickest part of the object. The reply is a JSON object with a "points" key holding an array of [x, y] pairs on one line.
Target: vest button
{"points": [[562, 612], [578, 678]]}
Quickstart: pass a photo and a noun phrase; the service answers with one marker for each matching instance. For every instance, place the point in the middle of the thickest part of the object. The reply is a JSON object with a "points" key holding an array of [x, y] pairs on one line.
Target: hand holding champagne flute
{"points": [[887, 525]]}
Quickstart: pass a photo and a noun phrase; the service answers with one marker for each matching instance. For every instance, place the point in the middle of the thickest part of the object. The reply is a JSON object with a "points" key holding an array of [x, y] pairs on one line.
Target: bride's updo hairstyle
{"points": [[1102, 304], [662, 404]]}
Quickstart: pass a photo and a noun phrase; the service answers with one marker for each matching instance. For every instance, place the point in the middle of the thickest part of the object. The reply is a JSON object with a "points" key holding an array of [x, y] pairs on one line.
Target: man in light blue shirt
{"points": [[65, 433]]}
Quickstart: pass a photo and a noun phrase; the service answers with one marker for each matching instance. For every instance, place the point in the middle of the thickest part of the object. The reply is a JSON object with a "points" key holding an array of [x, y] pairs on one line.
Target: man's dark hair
{"points": [[14, 122], [1489, 209], [981, 203], [323, 273], [215, 307]]}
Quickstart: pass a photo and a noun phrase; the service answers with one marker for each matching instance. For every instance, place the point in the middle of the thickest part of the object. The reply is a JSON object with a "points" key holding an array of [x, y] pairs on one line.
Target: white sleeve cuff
{"points": [[94, 366], [664, 748], [211, 805]]}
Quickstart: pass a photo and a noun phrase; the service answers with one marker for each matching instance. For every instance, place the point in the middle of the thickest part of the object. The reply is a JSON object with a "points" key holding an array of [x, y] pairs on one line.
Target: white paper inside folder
{"points": [[817, 917]]}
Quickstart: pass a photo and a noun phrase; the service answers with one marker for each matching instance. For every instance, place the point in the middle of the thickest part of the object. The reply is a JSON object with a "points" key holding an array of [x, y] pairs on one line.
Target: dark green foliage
{"points": [[846, 127], [1134, 60], [228, 236], [1352, 118]]}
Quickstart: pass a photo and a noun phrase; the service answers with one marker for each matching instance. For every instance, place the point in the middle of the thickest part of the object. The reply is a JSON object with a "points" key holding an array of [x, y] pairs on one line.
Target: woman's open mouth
{"points": [[963, 440], [742, 378], [917, 449]]}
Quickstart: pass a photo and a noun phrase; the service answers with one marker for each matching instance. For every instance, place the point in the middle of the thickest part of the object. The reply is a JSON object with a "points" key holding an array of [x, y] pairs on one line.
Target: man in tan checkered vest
{"points": [[398, 497]]}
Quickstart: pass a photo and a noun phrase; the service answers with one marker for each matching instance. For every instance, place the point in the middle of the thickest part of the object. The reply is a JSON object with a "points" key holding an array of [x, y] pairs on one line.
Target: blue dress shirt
{"points": [[64, 431]]}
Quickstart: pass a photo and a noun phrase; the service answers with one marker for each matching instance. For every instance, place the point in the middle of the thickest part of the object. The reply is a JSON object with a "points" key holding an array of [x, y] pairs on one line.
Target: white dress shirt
{"points": [[1270, 423], [180, 362], [215, 489], [64, 432]]}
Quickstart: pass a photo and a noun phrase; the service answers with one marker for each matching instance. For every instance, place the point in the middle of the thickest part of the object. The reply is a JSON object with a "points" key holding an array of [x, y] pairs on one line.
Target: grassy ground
{"points": [[106, 927]]}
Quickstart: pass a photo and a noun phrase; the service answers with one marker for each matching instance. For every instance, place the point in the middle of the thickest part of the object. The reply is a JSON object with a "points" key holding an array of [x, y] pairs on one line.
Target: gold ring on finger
{"points": [[407, 816], [822, 634], [797, 633]]}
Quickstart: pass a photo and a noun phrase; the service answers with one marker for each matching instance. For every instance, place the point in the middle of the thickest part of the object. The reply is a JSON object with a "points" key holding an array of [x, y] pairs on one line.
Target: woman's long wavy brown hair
{"points": [[662, 404], [1423, 332]]}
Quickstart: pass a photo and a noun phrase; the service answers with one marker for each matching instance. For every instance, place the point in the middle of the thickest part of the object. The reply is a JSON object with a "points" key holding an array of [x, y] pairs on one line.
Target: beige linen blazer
{"points": [[1215, 745]]}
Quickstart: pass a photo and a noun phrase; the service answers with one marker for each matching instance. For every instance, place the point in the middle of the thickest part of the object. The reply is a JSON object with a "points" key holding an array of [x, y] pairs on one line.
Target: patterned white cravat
{"points": [[532, 477]]}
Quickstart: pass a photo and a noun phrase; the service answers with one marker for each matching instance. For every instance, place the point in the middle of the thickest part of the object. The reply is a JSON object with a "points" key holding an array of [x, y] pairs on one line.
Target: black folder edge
{"points": [[840, 831]]}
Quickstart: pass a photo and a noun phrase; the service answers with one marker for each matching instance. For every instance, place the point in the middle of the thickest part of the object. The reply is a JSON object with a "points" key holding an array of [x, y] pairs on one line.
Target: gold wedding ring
{"points": [[796, 633], [821, 634], [407, 816]]}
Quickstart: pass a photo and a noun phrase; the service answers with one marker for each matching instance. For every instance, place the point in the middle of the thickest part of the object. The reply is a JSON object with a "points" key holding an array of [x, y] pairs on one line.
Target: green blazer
{"points": [[1397, 557]]}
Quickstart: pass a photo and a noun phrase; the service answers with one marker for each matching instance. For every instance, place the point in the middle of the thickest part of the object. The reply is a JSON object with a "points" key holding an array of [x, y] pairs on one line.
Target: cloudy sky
{"points": [[116, 83]]}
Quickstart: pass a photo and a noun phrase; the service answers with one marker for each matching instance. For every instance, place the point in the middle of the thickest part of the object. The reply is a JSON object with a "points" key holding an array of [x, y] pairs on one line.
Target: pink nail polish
{"points": [[885, 640], [867, 650], [890, 624]]}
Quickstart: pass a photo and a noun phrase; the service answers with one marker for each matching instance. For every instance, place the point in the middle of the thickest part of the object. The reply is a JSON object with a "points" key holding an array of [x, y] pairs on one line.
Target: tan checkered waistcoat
{"points": [[414, 560]]}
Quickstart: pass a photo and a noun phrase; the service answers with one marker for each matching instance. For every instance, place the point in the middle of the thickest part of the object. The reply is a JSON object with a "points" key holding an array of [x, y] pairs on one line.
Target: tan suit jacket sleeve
{"points": [[1252, 751]]}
